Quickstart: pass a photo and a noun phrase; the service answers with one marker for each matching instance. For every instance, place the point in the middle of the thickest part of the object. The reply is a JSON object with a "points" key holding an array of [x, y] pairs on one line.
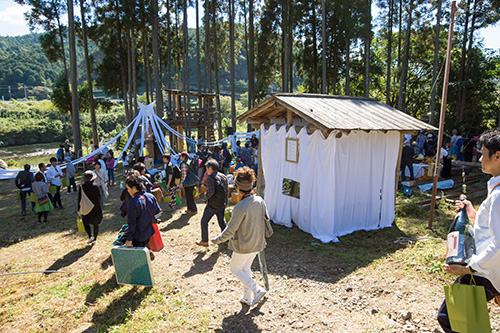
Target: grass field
{"points": [[360, 284]]}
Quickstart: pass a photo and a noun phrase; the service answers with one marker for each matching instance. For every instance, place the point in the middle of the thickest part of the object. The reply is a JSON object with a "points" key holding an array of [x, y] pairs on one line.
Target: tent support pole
{"points": [[443, 111], [260, 170]]}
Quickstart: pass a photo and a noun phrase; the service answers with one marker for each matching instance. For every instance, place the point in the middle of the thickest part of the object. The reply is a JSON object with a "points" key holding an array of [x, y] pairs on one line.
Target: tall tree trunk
{"points": [[400, 34], [404, 70], [146, 64], [123, 72], [95, 137], [461, 77], [251, 56], [198, 57], [186, 67], [231, 56], [436, 63], [156, 67], [216, 70], [134, 71], [75, 114], [389, 54], [467, 66], [368, 37], [169, 59], [206, 46], [290, 45], [323, 42], [348, 51], [61, 38], [315, 48]]}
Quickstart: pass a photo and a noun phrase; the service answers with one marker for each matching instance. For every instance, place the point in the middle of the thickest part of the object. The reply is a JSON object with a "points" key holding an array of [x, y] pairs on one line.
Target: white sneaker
{"points": [[91, 240], [247, 298], [258, 296]]}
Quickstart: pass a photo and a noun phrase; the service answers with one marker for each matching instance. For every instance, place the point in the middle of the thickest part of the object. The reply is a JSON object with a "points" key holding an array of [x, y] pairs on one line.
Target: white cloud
{"points": [[12, 21]]}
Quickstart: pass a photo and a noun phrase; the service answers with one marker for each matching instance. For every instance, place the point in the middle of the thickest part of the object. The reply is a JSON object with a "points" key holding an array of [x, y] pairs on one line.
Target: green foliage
{"points": [[61, 96], [38, 122]]}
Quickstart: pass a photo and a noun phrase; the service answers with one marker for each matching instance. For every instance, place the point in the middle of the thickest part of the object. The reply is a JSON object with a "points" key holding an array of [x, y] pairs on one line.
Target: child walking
{"points": [[42, 205]]}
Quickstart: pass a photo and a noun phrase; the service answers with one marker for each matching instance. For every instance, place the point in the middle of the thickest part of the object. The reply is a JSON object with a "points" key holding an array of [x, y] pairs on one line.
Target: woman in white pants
{"points": [[246, 232]]}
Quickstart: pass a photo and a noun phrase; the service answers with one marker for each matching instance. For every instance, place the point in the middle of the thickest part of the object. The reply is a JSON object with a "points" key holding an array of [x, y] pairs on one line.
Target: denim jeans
{"points": [[490, 291], [72, 182], [208, 213], [111, 175]]}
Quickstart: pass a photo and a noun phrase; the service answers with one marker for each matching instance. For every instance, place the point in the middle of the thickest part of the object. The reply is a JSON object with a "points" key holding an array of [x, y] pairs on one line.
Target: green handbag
{"points": [[52, 189], [467, 308], [64, 182]]}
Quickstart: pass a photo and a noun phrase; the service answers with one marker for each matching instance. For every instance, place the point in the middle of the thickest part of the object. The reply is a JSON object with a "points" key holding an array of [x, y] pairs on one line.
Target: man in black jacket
{"points": [[407, 161], [217, 191], [23, 183]]}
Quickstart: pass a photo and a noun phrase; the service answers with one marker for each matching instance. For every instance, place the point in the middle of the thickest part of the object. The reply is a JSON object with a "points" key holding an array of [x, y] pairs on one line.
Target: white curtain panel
{"points": [[346, 184]]}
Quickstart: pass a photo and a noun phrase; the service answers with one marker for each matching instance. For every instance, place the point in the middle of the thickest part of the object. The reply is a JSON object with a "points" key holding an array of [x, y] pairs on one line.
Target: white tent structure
{"points": [[342, 156], [148, 122]]}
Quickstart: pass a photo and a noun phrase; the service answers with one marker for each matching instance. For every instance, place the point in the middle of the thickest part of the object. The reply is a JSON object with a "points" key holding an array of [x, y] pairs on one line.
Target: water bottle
{"points": [[460, 240]]}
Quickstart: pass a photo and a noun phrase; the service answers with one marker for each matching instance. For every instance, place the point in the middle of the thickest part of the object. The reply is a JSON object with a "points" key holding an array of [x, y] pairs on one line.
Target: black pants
{"points": [[403, 170], [25, 194], [191, 204], [56, 200], [96, 230], [490, 291], [44, 214], [208, 213]]}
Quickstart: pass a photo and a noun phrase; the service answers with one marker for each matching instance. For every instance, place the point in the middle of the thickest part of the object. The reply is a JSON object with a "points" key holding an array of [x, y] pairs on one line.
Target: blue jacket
{"points": [[140, 216]]}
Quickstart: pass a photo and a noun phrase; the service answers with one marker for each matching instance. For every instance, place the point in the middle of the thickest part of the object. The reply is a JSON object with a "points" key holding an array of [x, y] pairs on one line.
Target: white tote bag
{"points": [[86, 205]]}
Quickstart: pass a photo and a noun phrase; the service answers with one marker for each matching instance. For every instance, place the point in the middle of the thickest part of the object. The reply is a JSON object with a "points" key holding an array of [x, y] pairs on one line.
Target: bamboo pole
{"points": [[443, 111]]}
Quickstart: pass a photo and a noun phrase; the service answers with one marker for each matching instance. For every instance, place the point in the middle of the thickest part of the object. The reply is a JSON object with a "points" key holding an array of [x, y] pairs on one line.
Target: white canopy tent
{"points": [[341, 154]]}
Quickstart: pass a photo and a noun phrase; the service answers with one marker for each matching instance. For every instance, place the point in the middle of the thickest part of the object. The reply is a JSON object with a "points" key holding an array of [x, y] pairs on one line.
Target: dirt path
{"points": [[362, 284]]}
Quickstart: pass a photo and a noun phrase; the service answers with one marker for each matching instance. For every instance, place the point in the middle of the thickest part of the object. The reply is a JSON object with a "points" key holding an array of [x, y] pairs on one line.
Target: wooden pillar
{"points": [[260, 170], [180, 142], [289, 118]]}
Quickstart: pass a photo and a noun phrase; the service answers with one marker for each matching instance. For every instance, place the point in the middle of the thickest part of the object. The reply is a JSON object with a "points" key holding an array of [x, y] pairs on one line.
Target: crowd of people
{"points": [[201, 170], [423, 147]]}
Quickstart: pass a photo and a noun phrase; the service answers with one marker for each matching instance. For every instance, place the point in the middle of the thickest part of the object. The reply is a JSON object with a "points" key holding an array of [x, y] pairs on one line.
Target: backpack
{"points": [[176, 172], [218, 200]]}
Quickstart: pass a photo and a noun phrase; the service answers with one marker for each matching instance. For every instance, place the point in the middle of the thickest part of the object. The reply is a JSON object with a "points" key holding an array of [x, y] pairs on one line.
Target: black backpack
{"points": [[218, 200], [176, 172]]}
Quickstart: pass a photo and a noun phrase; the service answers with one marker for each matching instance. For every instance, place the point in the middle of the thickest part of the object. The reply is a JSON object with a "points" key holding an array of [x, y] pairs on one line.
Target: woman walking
{"points": [[93, 217], [42, 205], [246, 232], [142, 209], [110, 164]]}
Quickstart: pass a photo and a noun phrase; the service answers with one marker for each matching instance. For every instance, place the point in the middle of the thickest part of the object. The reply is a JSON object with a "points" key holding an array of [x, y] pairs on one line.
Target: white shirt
{"points": [[444, 153], [52, 172], [486, 261]]}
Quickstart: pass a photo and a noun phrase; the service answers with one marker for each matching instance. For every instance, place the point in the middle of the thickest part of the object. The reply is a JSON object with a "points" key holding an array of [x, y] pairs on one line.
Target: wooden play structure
{"points": [[200, 113]]}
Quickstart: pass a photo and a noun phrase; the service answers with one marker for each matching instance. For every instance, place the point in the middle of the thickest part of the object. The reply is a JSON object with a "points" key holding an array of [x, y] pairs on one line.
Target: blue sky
{"points": [[12, 23]]}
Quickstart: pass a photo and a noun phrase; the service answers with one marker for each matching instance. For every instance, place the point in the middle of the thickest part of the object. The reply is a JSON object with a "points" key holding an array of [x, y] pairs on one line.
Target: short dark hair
{"points": [[141, 159], [247, 144], [139, 167], [97, 163], [100, 155], [135, 181], [41, 165], [27, 167], [167, 156], [39, 177], [491, 141], [211, 163], [52, 159]]}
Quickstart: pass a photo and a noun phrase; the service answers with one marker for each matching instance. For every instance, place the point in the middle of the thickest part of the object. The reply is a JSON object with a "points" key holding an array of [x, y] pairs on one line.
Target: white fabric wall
{"points": [[346, 184]]}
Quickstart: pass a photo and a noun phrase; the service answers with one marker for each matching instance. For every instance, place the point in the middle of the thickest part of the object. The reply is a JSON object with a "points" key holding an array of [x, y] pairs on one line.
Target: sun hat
{"points": [[244, 185]]}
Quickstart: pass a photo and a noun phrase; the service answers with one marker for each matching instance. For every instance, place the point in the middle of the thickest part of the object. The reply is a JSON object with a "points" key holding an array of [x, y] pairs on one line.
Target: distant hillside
{"points": [[24, 62]]}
